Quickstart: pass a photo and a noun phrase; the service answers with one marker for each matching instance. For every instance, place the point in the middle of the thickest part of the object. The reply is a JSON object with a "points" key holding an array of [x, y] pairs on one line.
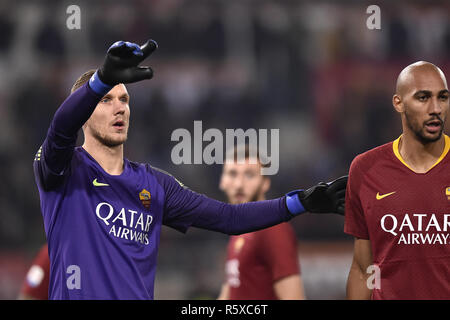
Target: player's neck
{"points": [[419, 156], [109, 158]]}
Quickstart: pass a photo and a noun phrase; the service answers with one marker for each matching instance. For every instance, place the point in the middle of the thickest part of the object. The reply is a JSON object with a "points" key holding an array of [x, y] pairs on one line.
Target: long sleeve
{"points": [[241, 218], [185, 208], [53, 158]]}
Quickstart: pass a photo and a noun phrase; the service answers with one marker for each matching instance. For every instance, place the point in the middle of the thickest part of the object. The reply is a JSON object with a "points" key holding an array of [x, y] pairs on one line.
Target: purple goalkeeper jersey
{"points": [[103, 230]]}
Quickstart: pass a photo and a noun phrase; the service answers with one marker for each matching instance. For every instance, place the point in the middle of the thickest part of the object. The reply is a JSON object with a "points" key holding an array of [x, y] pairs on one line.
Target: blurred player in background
{"points": [[35, 285], [398, 198], [103, 213], [261, 265]]}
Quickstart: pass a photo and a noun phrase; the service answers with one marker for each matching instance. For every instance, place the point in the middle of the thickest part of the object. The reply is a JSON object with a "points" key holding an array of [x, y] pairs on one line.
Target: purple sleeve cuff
{"points": [[98, 86], [293, 203]]}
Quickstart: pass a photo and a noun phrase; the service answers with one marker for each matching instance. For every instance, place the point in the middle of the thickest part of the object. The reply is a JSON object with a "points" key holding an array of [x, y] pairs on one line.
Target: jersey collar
{"points": [[399, 157]]}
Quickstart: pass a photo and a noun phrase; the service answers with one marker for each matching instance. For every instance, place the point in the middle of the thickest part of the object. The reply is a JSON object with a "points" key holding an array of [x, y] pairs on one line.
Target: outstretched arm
{"points": [[53, 158], [185, 208], [120, 66]]}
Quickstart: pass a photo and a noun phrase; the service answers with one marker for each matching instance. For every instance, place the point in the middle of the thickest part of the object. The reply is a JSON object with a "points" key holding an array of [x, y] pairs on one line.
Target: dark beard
{"points": [[417, 129]]}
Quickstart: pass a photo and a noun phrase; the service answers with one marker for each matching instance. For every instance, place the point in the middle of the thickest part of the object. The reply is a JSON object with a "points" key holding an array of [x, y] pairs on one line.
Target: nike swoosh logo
{"points": [[381, 196], [99, 184]]}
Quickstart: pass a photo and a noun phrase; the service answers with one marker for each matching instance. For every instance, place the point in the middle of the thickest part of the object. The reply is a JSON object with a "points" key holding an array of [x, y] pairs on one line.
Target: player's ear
{"points": [[266, 184], [397, 102]]}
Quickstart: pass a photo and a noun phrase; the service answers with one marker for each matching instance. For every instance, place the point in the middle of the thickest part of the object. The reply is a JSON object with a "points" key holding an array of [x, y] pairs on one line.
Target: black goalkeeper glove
{"points": [[121, 65], [321, 198]]}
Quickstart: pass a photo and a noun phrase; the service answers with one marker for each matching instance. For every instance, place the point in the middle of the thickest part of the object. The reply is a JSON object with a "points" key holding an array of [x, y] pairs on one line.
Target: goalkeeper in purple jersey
{"points": [[103, 213]]}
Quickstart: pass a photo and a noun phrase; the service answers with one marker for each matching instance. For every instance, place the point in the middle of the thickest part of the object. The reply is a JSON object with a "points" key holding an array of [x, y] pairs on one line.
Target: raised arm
{"points": [[120, 66], [53, 158]]}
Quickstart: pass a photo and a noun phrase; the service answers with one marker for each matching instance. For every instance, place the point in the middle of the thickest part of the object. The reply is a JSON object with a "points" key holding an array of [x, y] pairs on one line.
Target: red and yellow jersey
{"points": [[406, 216], [258, 259]]}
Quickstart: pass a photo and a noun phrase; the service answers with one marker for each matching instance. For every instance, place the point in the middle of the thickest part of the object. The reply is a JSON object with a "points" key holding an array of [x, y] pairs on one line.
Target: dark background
{"points": [[311, 69]]}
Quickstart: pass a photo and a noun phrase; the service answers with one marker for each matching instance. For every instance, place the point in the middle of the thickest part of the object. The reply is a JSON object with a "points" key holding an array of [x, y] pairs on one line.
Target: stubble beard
{"points": [[418, 130], [105, 140]]}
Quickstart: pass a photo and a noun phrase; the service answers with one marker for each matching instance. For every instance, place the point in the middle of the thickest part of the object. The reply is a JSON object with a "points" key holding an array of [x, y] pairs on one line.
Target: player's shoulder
{"points": [[369, 158], [146, 168], [80, 156], [137, 166], [163, 177]]}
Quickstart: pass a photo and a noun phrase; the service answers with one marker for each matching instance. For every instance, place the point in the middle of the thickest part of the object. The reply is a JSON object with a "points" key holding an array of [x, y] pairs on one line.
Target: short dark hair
{"points": [[82, 80]]}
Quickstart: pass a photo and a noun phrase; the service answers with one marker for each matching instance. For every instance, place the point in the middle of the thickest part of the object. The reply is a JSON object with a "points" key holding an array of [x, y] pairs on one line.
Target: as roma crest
{"points": [[145, 198]]}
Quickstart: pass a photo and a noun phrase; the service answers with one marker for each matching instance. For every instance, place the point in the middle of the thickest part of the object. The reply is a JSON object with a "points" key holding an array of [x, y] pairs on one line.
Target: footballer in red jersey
{"points": [[35, 286], [259, 262], [261, 265], [398, 199]]}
